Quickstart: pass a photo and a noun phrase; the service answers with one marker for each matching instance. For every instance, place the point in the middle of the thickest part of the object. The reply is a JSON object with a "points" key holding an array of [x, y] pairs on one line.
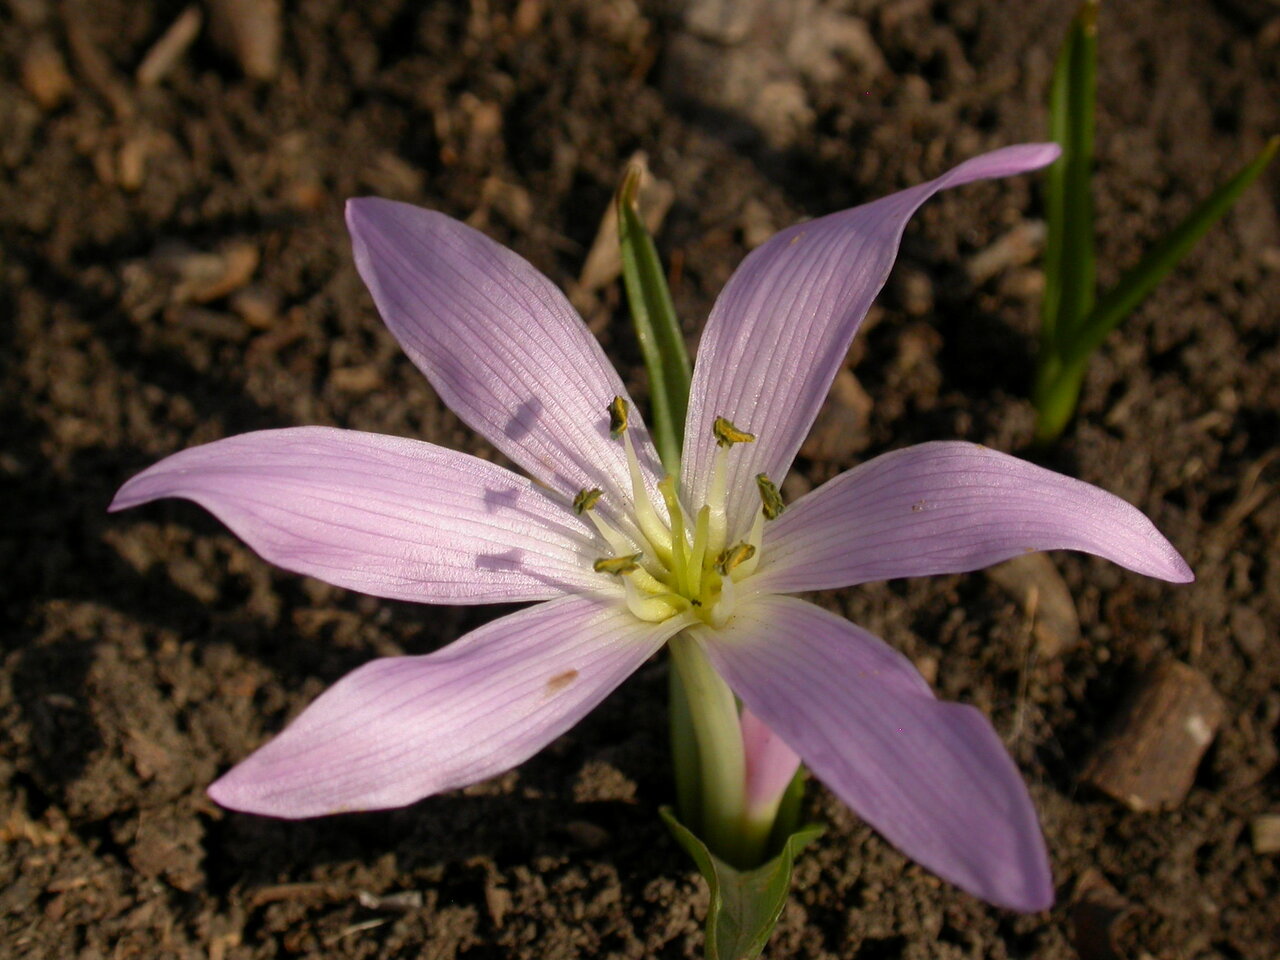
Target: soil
{"points": [[175, 270]]}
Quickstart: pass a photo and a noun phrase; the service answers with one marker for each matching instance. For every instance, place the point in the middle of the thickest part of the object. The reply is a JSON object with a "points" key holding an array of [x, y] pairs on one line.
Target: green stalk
{"points": [[684, 752], [713, 715]]}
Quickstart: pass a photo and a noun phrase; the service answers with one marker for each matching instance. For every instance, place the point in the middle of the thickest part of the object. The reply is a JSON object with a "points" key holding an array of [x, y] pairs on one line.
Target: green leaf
{"points": [[1156, 265], [745, 904], [1058, 384], [656, 325], [1069, 252]]}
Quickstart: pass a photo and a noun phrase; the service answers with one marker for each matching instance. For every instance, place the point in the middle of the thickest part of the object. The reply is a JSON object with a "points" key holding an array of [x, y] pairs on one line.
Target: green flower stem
{"points": [[684, 751], [713, 717], [757, 828]]}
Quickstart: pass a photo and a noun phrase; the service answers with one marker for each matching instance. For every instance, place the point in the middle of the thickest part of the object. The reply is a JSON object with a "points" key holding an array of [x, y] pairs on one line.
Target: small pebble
{"points": [[44, 73], [1265, 831], [361, 379], [1016, 248]]}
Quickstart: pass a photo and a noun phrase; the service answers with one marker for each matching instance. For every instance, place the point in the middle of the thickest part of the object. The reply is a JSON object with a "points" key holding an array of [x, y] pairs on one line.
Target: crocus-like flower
{"points": [[626, 559]]}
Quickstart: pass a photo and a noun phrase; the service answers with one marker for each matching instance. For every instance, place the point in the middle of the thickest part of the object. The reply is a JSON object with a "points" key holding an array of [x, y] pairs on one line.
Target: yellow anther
{"points": [[732, 557], [727, 434], [770, 500], [586, 499], [617, 565], [617, 417]]}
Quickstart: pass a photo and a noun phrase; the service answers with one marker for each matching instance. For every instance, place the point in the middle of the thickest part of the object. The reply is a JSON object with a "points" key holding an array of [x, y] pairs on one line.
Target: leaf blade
{"points": [[1138, 282], [744, 904], [1069, 249], [656, 325]]}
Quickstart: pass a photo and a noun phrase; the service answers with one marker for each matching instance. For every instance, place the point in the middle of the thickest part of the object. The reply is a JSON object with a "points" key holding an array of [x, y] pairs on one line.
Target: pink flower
{"points": [[641, 559]]}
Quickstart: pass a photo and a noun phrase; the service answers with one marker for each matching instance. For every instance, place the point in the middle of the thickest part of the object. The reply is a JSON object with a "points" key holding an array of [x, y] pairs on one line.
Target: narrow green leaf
{"points": [[1156, 265], [1069, 251], [1055, 401], [745, 904], [1059, 379], [656, 325]]}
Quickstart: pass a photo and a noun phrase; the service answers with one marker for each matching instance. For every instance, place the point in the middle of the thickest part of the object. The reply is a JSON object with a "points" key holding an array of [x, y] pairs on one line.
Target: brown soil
{"points": [[145, 653]]}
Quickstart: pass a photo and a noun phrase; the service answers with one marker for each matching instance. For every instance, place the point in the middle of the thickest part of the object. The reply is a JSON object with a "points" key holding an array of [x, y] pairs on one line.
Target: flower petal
{"points": [[383, 515], [499, 342], [403, 728], [949, 507], [781, 327], [932, 777], [771, 764]]}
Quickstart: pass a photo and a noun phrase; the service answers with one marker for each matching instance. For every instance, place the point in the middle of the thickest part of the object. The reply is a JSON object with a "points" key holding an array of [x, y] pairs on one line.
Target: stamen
{"points": [[718, 528], [666, 561], [654, 530], [586, 499], [617, 417], [754, 540], [734, 557], [618, 542], [617, 565], [770, 499], [727, 434]]}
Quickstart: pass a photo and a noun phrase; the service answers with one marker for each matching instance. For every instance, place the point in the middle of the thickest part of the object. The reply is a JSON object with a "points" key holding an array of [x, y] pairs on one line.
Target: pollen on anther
{"points": [[617, 417], [727, 434], [617, 565], [586, 499], [770, 499], [734, 556]]}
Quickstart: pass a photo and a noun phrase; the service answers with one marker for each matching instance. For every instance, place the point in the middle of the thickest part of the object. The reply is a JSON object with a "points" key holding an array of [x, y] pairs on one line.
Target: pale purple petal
{"points": [[781, 327], [383, 515], [932, 777], [771, 764], [499, 342], [403, 728], [949, 507]]}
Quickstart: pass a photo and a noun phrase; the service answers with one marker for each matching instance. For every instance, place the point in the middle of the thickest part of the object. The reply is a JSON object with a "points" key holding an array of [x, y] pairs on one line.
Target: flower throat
{"points": [[682, 565]]}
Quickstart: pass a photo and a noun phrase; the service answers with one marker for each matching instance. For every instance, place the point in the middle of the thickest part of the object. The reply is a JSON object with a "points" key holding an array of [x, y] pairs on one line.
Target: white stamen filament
{"points": [[654, 530], [677, 566], [718, 529], [754, 539]]}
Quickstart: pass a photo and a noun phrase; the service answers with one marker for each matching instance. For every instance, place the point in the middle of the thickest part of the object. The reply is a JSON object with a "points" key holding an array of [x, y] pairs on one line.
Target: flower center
{"points": [[682, 564]]}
